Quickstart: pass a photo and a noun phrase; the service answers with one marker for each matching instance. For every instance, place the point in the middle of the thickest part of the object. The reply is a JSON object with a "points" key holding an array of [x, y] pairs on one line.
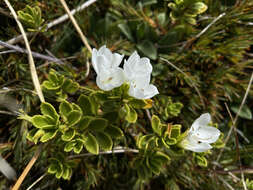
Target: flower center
{"points": [[108, 80]]}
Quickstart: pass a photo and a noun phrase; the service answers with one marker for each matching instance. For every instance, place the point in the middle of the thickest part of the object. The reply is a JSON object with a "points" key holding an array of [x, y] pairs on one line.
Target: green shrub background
{"points": [[212, 70]]}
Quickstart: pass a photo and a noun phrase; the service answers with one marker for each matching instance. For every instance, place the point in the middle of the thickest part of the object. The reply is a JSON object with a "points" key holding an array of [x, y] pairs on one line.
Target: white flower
{"points": [[108, 79], [201, 135], [141, 89], [136, 66], [105, 58], [106, 64], [137, 72]]}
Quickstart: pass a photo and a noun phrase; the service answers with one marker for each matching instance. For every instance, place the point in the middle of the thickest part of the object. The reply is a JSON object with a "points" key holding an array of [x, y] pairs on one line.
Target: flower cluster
{"points": [[136, 72], [200, 135]]}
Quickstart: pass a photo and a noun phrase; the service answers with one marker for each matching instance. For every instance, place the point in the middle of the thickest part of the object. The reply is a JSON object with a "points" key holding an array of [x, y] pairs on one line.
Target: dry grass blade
{"points": [[37, 87], [30, 58], [53, 23], [78, 29]]}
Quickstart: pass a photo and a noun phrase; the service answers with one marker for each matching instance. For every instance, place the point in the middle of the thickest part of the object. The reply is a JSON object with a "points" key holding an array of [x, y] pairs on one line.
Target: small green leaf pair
{"points": [[31, 17], [186, 11], [60, 168], [151, 163], [58, 84], [46, 124], [129, 113]]}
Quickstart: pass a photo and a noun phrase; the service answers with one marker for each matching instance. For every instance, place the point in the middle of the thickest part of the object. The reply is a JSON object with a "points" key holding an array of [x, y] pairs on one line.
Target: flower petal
{"points": [[150, 91], [117, 58], [144, 66], [94, 59], [207, 134], [203, 120], [102, 64], [195, 146], [141, 89], [129, 65], [106, 52], [110, 78]]}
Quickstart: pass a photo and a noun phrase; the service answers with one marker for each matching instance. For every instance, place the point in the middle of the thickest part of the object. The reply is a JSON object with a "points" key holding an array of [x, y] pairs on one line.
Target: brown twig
{"points": [[116, 150], [34, 54]]}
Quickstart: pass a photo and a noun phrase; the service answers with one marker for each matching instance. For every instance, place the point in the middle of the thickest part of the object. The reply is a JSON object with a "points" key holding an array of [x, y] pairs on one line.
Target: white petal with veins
{"points": [[201, 135]]}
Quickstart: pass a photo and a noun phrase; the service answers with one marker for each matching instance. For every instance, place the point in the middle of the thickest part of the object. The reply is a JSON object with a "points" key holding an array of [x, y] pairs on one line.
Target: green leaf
{"points": [[48, 135], [48, 110], [148, 49], [126, 31], [164, 143], [137, 103], [171, 141], [78, 146], [98, 124], [52, 77], [112, 117], [69, 86], [53, 168], [58, 174], [73, 117], [199, 8], [91, 144], [69, 146], [156, 125], [175, 131], [37, 135], [84, 122], [104, 141], [50, 86], [201, 160], [244, 113], [131, 115], [85, 104], [68, 135], [143, 141], [76, 107], [162, 157], [31, 134], [66, 173], [155, 166], [42, 122], [65, 108], [114, 132]]}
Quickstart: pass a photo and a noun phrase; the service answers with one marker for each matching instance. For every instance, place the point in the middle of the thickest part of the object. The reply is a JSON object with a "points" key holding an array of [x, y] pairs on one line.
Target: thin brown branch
{"points": [[34, 54], [37, 181], [116, 150]]}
